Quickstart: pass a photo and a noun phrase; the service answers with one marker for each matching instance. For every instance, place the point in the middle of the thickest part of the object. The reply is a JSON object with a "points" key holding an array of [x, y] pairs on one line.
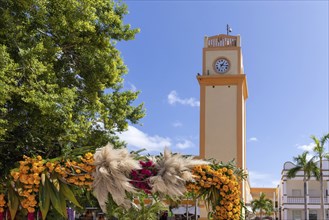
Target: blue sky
{"points": [[285, 51]]}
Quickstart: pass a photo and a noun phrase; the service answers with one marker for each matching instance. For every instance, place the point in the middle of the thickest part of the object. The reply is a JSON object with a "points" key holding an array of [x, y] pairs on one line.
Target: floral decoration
{"points": [[117, 177], [78, 173], [174, 170], [111, 176], [27, 179], [32, 172], [219, 187], [140, 177], [2, 203]]}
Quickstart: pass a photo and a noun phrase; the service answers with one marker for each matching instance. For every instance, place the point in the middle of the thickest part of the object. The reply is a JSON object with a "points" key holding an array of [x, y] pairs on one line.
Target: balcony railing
{"points": [[295, 199], [316, 200], [221, 41], [300, 200]]}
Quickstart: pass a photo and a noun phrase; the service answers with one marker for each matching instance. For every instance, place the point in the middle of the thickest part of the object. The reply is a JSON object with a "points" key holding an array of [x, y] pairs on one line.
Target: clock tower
{"points": [[223, 93]]}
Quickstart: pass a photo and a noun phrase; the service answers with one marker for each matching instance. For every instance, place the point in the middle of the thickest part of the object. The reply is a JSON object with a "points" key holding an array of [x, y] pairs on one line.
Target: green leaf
{"points": [[13, 202], [55, 197], [68, 194], [44, 199], [63, 204]]}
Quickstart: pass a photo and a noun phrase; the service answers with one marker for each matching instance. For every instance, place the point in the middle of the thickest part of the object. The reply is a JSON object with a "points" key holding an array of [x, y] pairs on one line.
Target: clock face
{"points": [[222, 65]]}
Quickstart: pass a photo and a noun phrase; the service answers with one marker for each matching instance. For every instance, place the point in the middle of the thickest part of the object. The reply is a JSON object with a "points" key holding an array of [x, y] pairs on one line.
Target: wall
{"points": [[220, 121]]}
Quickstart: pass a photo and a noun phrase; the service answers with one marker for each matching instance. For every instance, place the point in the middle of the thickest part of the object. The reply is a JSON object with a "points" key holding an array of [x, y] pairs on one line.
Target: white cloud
{"points": [[138, 139], [173, 98], [258, 179], [177, 124], [306, 147], [183, 144], [253, 139]]}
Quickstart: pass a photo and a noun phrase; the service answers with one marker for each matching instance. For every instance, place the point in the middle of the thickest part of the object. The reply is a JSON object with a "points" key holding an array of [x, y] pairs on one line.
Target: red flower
{"points": [[140, 178]]}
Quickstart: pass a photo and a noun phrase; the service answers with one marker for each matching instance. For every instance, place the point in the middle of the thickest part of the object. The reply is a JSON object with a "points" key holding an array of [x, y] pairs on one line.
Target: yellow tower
{"points": [[223, 93]]}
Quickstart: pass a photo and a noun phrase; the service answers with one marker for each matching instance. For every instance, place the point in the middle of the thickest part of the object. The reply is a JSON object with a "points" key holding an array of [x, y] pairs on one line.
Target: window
{"points": [[296, 214], [313, 215], [296, 192]]}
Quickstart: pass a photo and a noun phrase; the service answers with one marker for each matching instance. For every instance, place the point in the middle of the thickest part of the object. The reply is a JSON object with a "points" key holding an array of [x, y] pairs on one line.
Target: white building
{"points": [[291, 194]]}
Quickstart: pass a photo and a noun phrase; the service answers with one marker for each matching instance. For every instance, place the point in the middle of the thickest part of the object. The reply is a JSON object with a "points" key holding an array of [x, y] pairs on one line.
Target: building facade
{"points": [[291, 195]]}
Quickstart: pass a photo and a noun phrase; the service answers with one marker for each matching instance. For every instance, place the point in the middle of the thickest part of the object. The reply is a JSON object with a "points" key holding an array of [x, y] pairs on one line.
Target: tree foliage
{"points": [[320, 153], [61, 76], [262, 204], [307, 166], [309, 169]]}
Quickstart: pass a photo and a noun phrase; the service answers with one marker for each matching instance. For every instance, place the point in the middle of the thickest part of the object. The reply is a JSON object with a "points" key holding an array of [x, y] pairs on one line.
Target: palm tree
{"points": [[321, 153], [309, 169], [262, 204]]}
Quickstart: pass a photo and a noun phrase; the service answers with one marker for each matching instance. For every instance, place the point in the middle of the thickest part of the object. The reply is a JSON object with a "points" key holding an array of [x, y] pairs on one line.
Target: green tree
{"points": [[61, 84], [262, 204], [320, 153], [309, 169]]}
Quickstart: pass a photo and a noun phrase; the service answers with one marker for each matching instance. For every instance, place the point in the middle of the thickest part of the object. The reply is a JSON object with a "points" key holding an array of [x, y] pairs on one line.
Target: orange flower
{"points": [[225, 183]]}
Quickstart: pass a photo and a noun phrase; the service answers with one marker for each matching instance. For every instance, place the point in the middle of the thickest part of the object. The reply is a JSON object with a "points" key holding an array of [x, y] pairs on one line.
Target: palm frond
{"points": [[293, 171], [113, 167], [319, 148], [324, 139], [308, 167], [262, 203]]}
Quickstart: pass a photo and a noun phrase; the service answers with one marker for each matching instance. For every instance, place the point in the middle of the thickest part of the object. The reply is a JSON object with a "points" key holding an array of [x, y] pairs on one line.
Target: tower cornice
{"points": [[220, 80]]}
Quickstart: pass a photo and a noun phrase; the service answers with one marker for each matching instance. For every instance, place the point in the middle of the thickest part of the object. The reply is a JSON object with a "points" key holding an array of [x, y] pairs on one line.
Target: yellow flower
{"points": [[24, 204], [31, 198], [88, 155], [58, 169], [15, 175], [30, 180], [229, 206], [23, 178], [87, 176], [207, 185]]}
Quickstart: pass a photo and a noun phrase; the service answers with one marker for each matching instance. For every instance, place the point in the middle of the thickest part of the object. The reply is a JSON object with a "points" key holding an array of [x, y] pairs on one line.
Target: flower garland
{"points": [[33, 171], [140, 178], [78, 173], [27, 180], [2, 203], [220, 188], [171, 174]]}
